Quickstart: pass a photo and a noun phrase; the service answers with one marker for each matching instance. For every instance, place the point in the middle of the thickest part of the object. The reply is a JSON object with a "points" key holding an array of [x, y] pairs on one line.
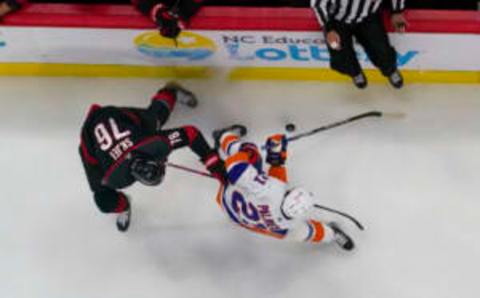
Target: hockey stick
{"points": [[187, 169], [308, 133], [333, 125], [356, 222]]}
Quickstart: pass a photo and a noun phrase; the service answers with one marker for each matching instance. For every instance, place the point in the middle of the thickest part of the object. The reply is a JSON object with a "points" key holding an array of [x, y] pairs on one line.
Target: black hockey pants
{"points": [[372, 36]]}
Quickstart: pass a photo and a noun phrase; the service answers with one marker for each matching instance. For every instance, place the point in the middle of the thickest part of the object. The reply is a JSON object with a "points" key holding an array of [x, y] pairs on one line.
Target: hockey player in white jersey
{"points": [[262, 201]]}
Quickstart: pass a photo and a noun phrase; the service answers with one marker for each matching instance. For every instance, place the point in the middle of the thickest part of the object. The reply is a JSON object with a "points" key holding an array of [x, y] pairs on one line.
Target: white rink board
{"points": [[215, 48]]}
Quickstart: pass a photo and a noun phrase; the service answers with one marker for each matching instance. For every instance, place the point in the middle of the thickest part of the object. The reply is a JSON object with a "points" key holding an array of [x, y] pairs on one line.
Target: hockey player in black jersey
{"points": [[122, 145], [170, 16]]}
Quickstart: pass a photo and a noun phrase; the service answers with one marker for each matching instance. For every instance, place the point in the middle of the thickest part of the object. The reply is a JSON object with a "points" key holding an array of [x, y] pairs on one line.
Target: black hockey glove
{"points": [[215, 166], [168, 22], [276, 150]]}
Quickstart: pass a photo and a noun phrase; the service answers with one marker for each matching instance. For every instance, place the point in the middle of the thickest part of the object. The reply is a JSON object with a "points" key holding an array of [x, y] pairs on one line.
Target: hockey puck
{"points": [[290, 127]]}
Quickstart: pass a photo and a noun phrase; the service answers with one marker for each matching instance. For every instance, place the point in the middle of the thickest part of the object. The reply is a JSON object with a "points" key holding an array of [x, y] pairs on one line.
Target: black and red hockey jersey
{"points": [[112, 135]]}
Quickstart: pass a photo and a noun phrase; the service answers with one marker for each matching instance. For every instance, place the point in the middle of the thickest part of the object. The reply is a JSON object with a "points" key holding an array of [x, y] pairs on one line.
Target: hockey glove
{"points": [[276, 150], [254, 156], [168, 22], [215, 166]]}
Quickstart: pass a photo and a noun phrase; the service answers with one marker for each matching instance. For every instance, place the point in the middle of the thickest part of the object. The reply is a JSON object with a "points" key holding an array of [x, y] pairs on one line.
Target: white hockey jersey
{"points": [[253, 199]]}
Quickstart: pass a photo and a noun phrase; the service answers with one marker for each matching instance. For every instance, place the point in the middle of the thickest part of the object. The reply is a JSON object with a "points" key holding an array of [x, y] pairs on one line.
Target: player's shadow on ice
{"points": [[225, 257]]}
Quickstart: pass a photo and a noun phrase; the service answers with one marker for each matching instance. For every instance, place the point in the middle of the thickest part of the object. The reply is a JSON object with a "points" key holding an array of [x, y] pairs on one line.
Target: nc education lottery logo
{"points": [[293, 48], [190, 46]]}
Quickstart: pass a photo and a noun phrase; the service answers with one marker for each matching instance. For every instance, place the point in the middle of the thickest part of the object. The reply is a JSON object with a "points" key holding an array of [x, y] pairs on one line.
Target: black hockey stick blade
{"points": [[332, 125], [351, 218], [336, 124]]}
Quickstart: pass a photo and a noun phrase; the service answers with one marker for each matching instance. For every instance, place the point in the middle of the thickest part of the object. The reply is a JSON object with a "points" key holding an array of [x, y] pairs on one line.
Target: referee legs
{"points": [[372, 36], [344, 60]]}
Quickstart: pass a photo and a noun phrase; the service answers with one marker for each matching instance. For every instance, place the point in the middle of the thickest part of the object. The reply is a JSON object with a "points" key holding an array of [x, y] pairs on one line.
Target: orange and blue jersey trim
{"points": [[316, 231], [233, 160], [236, 165], [228, 141], [225, 207], [220, 195], [278, 234], [279, 172]]}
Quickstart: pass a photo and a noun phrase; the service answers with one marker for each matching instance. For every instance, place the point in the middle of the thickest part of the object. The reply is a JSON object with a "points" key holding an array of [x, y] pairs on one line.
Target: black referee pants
{"points": [[372, 36]]}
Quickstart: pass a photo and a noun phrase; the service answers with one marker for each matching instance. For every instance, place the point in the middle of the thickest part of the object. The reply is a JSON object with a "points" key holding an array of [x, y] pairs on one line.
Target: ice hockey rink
{"points": [[413, 183]]}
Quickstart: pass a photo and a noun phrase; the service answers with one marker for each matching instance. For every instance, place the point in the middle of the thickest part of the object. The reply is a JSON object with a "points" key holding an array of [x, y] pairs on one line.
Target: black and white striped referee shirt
{"points": [[349, 11]]}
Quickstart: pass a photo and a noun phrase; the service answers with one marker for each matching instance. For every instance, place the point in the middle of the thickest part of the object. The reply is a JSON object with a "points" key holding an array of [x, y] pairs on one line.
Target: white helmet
{"points": [[297, 202]]}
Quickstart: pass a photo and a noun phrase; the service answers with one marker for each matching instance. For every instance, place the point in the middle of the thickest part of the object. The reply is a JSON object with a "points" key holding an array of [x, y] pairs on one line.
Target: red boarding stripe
{"points": [[79, 15], [79, 9], [224, 18]]}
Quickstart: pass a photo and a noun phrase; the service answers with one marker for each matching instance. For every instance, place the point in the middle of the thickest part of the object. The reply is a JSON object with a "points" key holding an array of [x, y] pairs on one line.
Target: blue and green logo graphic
{"points": [[190, 46]]}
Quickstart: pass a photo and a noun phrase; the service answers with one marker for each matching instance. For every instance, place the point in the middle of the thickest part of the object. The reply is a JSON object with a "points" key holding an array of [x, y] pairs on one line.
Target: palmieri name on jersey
{"points": [[255, 202]]}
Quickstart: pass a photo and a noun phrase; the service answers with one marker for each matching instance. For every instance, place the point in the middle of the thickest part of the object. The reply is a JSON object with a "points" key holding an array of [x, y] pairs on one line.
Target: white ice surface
{"points": [[414, 183]]}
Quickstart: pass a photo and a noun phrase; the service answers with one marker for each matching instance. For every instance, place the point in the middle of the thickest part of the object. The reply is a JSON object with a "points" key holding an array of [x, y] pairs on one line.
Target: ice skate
{"points": [[184, 96], [123, 220], [341, 238], [238, 129], [360, 81], [396, 79]]}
